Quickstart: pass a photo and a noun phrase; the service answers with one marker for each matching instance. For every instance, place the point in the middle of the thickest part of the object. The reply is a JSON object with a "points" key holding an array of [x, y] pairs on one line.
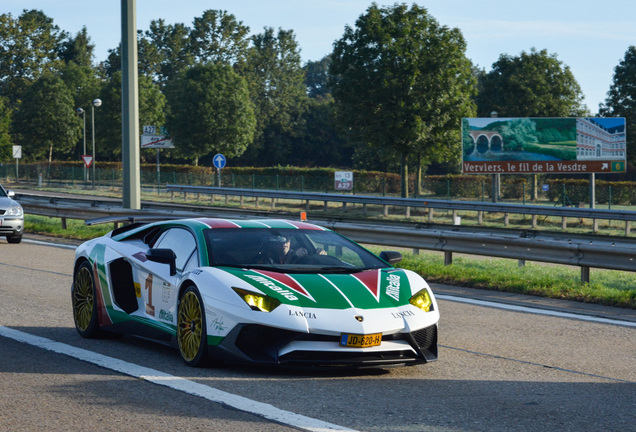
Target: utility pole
{"points": [[131, 187]]}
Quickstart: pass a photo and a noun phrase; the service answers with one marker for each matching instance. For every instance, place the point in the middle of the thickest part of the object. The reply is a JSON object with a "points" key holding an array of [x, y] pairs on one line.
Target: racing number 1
{"points": [[150, 309]]}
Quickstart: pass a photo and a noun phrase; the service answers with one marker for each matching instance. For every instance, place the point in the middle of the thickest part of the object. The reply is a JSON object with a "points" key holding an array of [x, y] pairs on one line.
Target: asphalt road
{"points": [[499, 370]]}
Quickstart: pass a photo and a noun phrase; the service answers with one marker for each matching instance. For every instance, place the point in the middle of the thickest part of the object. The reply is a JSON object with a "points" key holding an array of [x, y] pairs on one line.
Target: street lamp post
{"points": [[96, 103], [80, 111]]}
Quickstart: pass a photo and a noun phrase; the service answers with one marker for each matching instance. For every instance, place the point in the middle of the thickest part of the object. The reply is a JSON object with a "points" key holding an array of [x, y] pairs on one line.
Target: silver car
{"points": [[11, 217]]}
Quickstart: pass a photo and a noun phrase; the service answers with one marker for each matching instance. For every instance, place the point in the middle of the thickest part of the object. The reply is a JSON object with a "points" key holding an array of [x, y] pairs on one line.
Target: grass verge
{"points": [[76, 229], [607, 287]]}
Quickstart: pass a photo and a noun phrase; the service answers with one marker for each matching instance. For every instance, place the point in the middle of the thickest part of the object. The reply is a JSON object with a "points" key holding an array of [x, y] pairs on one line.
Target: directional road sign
{"points": [[219, 161]]}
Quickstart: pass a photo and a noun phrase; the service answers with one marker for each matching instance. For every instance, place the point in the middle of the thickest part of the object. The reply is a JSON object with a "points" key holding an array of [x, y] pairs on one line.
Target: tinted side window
{"points": [[181, 241]]}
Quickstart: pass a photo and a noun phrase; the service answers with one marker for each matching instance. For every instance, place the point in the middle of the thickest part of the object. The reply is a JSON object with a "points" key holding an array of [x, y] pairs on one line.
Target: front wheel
{"points": [[83, 296], [191, 330], [14, 239]]}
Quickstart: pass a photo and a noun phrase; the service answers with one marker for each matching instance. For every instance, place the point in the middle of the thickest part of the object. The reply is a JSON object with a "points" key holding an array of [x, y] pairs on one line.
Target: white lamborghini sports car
{"points": [[261, 291]]}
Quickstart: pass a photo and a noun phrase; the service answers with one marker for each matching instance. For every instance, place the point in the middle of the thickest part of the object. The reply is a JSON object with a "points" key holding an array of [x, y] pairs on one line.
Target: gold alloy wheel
{"points": [[83, 298], [190, 326]]}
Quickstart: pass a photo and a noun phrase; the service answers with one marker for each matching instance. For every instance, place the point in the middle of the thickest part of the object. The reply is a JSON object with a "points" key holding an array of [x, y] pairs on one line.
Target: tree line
{"points": [[389, 96]]}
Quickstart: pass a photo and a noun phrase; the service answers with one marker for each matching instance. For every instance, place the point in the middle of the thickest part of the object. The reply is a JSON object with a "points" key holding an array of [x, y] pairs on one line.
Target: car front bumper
{"points": [[267, 345], [11, 226]]}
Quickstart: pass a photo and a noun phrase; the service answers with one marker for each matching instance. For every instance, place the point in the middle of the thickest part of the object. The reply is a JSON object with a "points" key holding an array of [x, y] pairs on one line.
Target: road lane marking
{"points": [[535, 310], [46, 243], [241, 403]]}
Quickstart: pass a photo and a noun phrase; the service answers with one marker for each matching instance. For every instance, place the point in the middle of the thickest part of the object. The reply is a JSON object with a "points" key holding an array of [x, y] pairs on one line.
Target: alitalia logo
{"points": [[166, 315], [271, 285], [393, 288]]}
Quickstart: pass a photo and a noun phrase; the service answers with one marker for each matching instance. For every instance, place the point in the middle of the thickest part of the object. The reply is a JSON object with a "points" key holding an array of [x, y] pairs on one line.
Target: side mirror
{"points": [[392, 257], [10, 194], [164, 256]]}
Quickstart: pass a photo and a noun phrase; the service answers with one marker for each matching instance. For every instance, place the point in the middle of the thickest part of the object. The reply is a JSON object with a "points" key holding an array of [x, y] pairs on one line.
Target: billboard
{"points": [[543, 145]]}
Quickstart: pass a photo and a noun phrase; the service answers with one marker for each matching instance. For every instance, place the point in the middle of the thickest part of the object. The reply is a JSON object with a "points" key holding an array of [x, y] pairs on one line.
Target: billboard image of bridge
{"points": [[543, 145]]}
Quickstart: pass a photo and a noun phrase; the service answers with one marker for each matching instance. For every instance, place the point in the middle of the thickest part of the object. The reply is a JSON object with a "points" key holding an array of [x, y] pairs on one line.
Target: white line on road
{"points": [[177, 383], [46, 243], [535, 310]]}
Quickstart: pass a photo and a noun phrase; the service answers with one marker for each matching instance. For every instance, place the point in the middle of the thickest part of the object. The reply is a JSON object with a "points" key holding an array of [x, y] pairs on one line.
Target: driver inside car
{"points": [[280, 251]]}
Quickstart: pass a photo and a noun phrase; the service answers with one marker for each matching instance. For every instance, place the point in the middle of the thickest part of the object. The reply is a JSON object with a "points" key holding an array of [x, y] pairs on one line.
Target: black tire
{"points": [[191, 328], [84, 299], [14, 239]]}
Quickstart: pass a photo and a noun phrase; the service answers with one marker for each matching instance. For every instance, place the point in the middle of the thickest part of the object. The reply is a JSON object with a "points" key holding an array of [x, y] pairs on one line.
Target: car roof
{"points": [[199, 224], [215, 223]]}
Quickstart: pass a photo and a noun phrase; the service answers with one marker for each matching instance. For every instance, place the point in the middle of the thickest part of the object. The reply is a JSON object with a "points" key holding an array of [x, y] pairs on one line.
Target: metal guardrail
{"points": [[585, 251], [526, 245], [476, 206]]}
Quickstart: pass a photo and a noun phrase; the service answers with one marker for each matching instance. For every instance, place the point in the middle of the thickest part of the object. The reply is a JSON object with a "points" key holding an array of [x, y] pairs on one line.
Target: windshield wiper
{"points": [[339, 269]]}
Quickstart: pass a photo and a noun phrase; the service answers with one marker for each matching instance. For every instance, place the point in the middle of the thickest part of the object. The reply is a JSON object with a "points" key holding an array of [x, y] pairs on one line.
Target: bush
{"points": [[514, 187], [464, 186], [577, 191]]}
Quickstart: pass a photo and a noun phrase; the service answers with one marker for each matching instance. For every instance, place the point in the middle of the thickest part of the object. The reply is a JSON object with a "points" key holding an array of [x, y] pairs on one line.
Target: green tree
{"points": [[534, 84], [148, 56], [108, 121], [320, 142], [211, 112], [317, 77], [5, 137], [29, 46], [46, 120], [217, 36], [168, 47], [276, 83], [78, 49], [621, 99], [84, 85], [402, 82]]}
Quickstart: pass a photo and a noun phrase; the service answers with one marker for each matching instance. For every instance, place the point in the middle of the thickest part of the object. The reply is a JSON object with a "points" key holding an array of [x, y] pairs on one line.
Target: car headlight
{"points": [[422, 300], [259, 302], [14, 211]]}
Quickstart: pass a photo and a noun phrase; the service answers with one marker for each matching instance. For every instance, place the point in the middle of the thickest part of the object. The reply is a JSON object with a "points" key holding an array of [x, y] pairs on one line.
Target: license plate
{"points": [[360, 341]]}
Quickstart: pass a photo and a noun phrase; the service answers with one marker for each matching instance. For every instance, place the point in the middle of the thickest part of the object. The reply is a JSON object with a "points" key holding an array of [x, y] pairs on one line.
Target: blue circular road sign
{"points": [[219, 161]]}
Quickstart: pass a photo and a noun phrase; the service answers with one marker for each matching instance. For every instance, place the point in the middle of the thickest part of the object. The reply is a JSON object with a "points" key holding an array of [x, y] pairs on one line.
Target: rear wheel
{"points": [[191, 330], [84, 301]]}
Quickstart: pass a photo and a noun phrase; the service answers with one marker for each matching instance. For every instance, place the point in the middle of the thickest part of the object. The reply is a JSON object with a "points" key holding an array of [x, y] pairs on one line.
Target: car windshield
{"points": [[288, 250], [3, 193]]}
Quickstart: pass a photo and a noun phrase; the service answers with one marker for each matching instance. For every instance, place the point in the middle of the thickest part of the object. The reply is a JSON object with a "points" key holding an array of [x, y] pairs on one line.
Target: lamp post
{"points": [[80, 111], [96, 103]]}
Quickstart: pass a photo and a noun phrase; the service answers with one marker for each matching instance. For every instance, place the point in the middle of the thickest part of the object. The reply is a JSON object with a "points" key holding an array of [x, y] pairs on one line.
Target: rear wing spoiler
{"points": [[128, 219]]}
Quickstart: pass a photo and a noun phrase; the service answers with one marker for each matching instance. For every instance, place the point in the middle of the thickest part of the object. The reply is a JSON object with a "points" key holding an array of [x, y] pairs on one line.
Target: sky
{"points": [[590, 37]]}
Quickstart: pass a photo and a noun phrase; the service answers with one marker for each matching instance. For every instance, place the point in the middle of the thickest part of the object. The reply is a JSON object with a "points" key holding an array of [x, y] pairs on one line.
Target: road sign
{"points": [[219, 161], [156, 142], [150, 130], [343, 180], [88, 160], [17, 152]]}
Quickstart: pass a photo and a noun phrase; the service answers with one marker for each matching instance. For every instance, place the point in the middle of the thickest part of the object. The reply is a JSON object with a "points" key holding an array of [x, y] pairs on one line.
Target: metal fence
{"points": [[517, 188]]}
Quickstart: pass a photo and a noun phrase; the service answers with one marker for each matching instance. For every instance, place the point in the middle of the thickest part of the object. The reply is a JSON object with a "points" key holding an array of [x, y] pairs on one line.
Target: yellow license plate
{"points": [[360, 341]]}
